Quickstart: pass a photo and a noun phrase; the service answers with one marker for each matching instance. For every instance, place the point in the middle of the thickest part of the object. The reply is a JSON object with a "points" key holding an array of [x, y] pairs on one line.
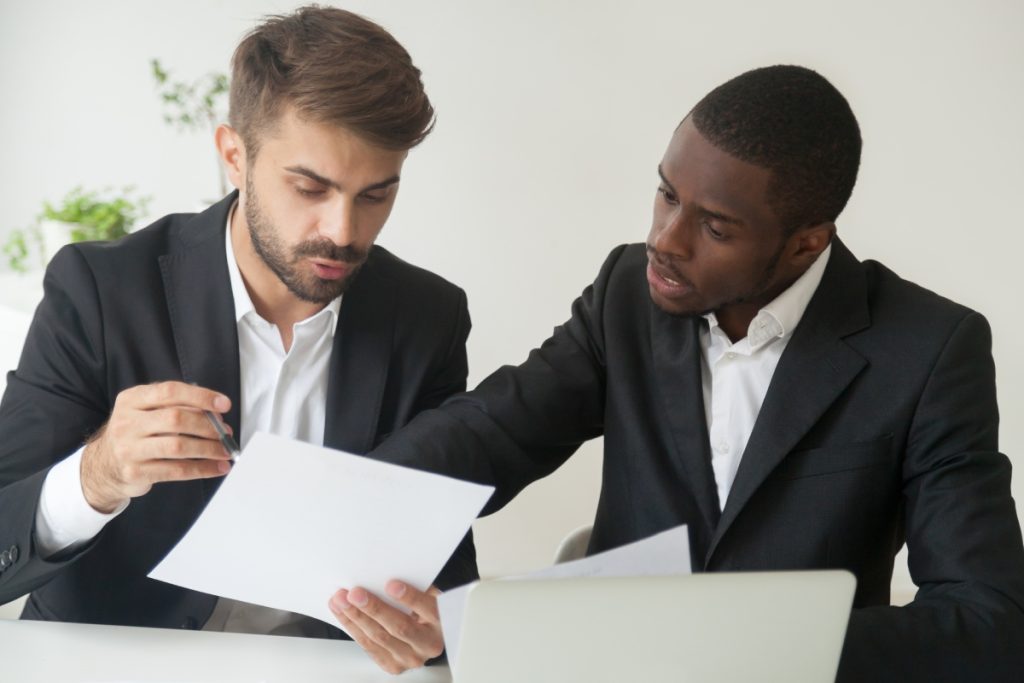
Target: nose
{"points": [[339, 222], [673, 235]]}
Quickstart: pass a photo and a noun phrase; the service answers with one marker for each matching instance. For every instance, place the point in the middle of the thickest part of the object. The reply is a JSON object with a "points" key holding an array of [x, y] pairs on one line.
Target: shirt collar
{"points": [[243, 303], [780, 317]]}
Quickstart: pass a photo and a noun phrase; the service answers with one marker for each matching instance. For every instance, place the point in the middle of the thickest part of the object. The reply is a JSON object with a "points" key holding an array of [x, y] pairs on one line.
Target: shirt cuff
{"points": [[64, 517]]}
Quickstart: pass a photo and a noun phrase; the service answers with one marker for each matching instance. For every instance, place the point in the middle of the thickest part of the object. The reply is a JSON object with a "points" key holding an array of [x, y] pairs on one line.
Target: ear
{"points": [[231, 151], [808, 242]]}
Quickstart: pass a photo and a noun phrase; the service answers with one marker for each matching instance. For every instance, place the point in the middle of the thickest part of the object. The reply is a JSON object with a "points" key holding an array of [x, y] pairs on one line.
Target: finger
{"points": [[157, 471], [177, 421], [364, 609], [379, 654], [164, 394], [424, 639], [393, 649], [180, 448], [381, 622], [424, 604]]}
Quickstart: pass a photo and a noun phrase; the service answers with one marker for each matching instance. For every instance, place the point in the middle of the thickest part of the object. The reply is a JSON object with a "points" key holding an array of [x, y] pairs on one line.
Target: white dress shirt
{"points": [[282, 392], [735, 377]]}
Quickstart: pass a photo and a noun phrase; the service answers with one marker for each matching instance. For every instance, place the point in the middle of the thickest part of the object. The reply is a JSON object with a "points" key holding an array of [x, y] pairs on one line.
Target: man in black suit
{"points": [[272, 309], [796, 407]]}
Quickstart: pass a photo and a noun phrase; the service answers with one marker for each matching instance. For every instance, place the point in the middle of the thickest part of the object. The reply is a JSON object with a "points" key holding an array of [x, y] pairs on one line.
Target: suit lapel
{"points": [[675, 345], [814, 370], [202, 309], [359, 360]]}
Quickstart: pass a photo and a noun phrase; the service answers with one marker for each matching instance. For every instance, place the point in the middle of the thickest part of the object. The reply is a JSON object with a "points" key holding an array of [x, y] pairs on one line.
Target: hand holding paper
{"points": [[292, 523], [397, 641]]}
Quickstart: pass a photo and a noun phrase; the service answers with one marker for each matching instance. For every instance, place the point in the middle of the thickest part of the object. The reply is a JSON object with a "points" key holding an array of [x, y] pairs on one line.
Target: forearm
{"points": [[461, 440], [64, 519], [522, 422], [461, 567], [963, 536], [18, 506], [965, 633]]}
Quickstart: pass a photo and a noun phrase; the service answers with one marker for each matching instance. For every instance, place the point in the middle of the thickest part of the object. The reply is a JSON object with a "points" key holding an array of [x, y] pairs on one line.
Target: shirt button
{"points": [[723, 446], [730, 356]]}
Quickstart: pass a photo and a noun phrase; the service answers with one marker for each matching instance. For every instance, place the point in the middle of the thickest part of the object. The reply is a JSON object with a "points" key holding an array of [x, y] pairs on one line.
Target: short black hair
{"points": [[793, 122]]}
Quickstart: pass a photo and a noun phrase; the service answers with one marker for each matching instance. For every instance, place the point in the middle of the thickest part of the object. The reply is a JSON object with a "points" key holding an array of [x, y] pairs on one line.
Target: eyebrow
{"points": [[313, 175], [703, 209], [661, 174]]}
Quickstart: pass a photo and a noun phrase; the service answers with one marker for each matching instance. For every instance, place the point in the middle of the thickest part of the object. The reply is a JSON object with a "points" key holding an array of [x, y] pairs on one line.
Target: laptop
{"points": [[718, 628]]}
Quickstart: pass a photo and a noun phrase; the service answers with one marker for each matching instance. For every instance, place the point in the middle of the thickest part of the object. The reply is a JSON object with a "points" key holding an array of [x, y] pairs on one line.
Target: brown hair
{"points": [[334, 67]]}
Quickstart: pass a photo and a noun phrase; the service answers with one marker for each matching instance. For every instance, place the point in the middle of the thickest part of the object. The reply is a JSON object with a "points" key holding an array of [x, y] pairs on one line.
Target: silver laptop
{"points": [[718, 628]]}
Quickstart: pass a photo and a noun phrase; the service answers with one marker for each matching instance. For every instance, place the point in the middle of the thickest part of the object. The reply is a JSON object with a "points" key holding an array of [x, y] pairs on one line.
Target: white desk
{"points": [[54, 652]]}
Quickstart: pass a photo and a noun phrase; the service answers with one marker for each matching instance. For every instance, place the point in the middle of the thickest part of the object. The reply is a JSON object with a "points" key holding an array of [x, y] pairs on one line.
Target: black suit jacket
{"points": [[157, 306], [879, 426]]}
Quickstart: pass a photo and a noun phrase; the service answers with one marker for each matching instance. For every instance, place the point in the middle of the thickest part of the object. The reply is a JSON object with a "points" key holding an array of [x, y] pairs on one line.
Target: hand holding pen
{"points": [[156, 433], [228, 441]]}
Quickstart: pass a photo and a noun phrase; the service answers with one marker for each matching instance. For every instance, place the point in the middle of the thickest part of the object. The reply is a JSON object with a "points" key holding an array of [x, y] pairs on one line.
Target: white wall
{"points": [[553, 116]]}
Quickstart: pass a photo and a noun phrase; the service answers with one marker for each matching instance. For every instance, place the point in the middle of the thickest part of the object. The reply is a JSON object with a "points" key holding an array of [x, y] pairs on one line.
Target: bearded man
{"points": [[272, 309]]}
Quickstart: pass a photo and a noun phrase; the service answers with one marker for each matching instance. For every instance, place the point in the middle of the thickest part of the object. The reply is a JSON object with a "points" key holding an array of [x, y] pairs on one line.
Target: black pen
{"points": [[228, 441]]}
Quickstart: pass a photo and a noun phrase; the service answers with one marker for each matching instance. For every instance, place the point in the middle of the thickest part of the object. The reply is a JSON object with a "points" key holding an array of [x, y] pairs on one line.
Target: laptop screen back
{"points": [[756, 626]]}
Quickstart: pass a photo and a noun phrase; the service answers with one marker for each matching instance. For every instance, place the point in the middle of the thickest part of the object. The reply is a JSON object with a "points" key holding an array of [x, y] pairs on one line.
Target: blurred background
{"points": [[552, 117]]}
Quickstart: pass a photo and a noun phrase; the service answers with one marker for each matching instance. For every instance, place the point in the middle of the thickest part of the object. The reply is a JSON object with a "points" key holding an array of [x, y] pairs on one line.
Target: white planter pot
{"points": [[54, 234]]}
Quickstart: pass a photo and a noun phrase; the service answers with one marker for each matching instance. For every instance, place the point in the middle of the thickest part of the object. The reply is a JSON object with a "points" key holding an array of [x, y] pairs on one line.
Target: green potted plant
{"points": [[193, 106], [106, 215], [79, 217]]}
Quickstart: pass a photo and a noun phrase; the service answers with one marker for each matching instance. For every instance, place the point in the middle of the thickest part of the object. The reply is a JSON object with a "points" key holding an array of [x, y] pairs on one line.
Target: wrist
{"points": [[99, 502], [98, 498]]}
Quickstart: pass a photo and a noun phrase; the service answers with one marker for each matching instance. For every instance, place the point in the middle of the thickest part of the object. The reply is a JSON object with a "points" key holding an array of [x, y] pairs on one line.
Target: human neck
{"points": [[734, 319]]}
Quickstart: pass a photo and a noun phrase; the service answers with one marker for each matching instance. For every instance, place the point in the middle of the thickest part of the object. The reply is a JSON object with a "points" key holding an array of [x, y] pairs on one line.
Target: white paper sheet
{"points": [[664, 554], [292, 523]]}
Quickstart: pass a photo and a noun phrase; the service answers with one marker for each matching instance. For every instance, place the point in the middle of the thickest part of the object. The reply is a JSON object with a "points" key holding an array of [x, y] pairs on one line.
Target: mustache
{"points": [[665, 264], [326, 249]]}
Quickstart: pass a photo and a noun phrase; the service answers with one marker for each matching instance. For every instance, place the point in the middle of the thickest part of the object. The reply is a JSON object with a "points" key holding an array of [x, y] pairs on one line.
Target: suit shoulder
{"points": [[626, 257], [428, 308], [622, 274], [413, 279], [630, 254], [913, 326], [892, 295], [153, 240]]}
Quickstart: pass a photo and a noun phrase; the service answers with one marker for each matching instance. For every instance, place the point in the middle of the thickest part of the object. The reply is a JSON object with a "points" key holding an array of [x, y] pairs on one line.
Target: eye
{"points": [[715, 233], [668, 195], [374, 198], [309, 193]]}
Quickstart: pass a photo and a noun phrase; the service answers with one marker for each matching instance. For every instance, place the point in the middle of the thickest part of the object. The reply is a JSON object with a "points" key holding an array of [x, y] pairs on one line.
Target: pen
{"points": [[228, 441]]}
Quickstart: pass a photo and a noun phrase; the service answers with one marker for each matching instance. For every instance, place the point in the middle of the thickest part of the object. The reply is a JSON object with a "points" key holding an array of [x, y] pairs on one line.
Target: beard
{"points": [[758, 293], [289, 263]]}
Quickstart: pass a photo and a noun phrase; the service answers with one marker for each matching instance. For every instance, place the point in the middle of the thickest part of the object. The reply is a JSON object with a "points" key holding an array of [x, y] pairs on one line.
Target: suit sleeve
{"points": [[523, 422], [962, 534], [449, 379], [54, 400]]}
